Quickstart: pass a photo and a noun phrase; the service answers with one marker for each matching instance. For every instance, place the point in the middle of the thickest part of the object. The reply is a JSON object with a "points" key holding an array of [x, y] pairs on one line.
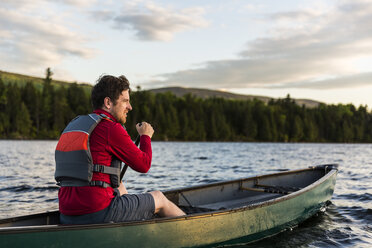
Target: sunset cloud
{"points": [[154, 23], [306, 49], [34, 43]]}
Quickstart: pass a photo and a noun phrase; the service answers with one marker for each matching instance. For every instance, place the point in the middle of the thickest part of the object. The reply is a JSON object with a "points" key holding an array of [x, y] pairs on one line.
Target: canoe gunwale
{"points": [[60, 227], [287, 172]]}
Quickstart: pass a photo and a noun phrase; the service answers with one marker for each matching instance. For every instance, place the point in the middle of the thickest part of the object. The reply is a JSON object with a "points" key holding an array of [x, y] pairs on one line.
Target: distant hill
{"points": [[205, 93], [21, 80]]}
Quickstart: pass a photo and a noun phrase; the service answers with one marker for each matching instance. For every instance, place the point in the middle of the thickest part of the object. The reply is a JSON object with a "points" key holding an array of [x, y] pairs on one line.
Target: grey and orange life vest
{"points": [[74, 163]]}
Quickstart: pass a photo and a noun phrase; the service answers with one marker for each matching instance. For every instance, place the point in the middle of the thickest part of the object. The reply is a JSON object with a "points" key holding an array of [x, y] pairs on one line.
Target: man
{"points": [[90, 191]]}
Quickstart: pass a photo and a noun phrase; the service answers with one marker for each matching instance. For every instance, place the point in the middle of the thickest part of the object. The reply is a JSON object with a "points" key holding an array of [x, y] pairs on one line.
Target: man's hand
{"points": [[122, 189], [145, 128]]}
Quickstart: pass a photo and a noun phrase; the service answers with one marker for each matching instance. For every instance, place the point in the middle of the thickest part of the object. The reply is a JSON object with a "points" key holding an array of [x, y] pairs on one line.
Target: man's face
{"points": [[121, 108]]}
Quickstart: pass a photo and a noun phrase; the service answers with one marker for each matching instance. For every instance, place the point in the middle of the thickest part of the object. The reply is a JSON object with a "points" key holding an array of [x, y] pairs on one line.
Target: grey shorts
{"points": [[128, 207]]}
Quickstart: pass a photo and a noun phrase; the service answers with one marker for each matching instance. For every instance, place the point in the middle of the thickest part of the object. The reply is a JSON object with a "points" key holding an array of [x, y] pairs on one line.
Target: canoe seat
{"points": [[240, 202]]}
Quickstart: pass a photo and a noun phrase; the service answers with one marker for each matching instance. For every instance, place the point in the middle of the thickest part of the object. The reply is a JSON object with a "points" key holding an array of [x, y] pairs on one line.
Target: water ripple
{"points": [[366, 197], [28, 188]]}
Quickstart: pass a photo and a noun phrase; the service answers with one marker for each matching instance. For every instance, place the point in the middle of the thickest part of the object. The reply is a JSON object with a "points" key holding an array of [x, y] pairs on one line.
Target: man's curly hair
{"points": [[108, 86]]}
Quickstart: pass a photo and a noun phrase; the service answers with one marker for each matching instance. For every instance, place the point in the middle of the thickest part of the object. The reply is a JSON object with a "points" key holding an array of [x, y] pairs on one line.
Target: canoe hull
{"points": [[245, 224]]}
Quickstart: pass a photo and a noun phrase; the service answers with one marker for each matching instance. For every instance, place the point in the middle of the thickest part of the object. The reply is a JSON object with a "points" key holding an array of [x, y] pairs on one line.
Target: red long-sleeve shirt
{"points": [[107, 139]]}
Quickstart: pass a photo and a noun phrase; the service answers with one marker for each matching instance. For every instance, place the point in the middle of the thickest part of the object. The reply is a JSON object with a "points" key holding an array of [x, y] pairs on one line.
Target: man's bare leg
{"points": [[164, 207]]}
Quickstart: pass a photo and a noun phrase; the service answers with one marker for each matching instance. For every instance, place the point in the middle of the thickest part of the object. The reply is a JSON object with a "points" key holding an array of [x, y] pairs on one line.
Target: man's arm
{"points": [[121, 145]]}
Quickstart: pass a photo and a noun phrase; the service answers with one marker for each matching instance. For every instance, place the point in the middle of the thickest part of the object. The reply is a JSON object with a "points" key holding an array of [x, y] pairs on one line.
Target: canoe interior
{"points": [[244, 192], [222, 196]]}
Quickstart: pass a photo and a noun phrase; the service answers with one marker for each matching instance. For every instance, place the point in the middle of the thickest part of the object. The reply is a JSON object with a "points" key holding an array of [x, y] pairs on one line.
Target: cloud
{"points": [[154, 23], [354, 80], [79, 3], [28, 3], [30, 41], [308, 48]]}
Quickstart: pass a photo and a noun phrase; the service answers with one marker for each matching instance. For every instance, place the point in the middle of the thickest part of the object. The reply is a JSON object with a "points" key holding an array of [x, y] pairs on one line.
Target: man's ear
{"points": [[107, 104]]}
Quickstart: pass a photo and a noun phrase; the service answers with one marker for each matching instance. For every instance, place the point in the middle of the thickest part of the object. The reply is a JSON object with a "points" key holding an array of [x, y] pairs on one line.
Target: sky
{"points": [[320, 50]]}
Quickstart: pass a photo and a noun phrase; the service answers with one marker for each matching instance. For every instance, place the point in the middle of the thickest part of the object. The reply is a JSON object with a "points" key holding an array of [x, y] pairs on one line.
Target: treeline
{"points": [[29, 113], [216, 119]]}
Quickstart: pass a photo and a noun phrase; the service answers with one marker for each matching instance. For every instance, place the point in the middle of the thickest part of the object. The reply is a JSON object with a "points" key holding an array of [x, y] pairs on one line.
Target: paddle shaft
{"points": [[125, 165]]}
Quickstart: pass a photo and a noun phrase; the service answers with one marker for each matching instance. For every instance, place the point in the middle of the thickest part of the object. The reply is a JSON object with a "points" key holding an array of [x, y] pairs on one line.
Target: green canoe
{"points": [[237, 211]]}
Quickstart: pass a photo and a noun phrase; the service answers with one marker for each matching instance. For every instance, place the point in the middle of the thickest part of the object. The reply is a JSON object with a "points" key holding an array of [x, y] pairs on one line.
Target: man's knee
{"points": [[165, 207], [158, 195], [159, 198]]}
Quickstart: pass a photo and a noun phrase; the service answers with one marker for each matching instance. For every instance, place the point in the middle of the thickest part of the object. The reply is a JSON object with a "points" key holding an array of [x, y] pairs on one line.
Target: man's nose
{"points": [[129, 107]]}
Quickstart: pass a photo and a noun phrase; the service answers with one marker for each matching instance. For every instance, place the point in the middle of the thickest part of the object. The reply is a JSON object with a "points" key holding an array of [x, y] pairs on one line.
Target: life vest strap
{"points": [[106, 169], [71, 182], [100, 184]]}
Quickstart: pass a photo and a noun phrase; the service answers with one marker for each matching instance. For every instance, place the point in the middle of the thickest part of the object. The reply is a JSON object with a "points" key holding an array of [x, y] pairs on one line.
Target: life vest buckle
{"points": [[98, 168]]}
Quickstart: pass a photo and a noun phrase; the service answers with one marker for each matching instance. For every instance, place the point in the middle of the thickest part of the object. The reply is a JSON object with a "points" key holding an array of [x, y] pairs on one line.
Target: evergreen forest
{"points": [[31, 112]]}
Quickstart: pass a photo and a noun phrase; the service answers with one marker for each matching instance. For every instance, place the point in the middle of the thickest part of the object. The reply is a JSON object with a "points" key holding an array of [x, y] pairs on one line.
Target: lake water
{"points": [[27, 181]]}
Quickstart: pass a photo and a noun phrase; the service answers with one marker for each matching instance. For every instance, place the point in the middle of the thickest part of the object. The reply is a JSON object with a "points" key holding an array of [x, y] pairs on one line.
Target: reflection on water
{"points": [[27, 181]]}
